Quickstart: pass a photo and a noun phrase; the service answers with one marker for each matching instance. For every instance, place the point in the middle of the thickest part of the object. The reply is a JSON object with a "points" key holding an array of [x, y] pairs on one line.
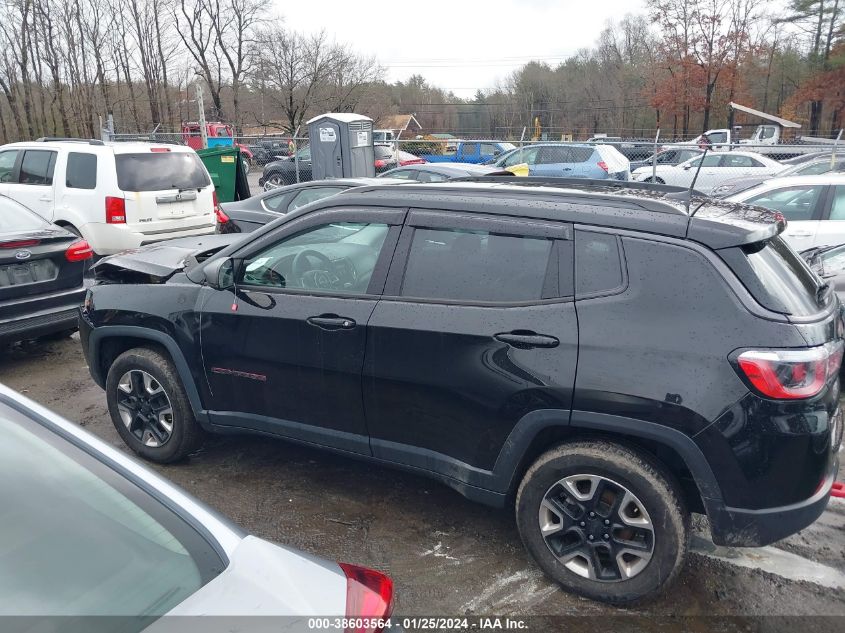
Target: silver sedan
{"points": [[87, 532]]}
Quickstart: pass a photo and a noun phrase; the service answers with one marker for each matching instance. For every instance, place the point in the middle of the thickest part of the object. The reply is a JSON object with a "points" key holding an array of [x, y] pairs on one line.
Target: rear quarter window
{"points": [[81, 171], [598, 263], [160, 171]]}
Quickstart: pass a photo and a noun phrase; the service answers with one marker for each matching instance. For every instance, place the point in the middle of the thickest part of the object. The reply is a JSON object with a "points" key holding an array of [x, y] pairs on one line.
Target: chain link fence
{"points": [[278, 160]]}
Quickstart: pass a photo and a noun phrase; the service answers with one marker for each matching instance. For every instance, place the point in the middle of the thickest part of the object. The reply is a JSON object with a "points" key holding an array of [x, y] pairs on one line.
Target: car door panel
{"points": [[288, 360], [445, 381]]}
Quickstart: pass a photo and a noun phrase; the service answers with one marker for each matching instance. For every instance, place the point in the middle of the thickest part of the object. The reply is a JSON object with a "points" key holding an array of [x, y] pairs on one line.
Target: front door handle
{"points": [[526, 339], [331, 322], [801, 234]]}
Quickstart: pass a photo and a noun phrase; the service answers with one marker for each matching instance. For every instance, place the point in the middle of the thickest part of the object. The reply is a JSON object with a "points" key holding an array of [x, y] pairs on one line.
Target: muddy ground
{"points": [[448, 556]]}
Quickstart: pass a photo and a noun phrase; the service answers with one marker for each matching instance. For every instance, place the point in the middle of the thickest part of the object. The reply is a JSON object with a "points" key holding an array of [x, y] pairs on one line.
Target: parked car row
{"points": [[485, 315]]}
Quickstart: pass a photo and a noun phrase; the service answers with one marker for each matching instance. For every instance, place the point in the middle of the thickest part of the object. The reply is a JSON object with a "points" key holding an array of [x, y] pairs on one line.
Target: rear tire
{"points": [[657, 180], [149, 407], [635, 541]]}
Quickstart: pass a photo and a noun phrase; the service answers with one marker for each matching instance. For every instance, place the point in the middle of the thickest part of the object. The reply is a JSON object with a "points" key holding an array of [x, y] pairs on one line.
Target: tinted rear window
{"points": [[777, 277], [160, 171]]}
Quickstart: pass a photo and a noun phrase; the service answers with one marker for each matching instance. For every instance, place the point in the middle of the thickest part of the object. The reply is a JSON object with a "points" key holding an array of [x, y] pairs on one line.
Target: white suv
{"points": [[115, 195], [814, 207]]}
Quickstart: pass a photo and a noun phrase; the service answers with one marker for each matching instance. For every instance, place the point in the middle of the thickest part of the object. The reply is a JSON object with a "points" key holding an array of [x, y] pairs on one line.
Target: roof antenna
{"points": [[694, 179]]}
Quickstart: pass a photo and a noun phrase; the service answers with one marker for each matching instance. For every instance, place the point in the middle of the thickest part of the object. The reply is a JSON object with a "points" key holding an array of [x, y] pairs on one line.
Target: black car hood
{"points": [[158, 262]]}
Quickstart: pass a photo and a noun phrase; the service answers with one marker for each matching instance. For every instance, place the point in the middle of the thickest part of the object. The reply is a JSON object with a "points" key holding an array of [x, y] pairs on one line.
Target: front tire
{"points": [[604, 521], [149, 407]]}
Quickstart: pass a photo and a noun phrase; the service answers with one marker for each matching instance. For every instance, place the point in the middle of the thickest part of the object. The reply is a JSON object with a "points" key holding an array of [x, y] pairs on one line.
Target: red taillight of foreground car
{"points": [[115, 210], [369, 598], [791, 374], [19, 243], [79, 251], [222, 218], [603, 165], [380, 162]]}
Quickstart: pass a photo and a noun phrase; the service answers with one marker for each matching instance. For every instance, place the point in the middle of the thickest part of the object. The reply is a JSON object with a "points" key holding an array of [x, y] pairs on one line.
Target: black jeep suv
{"points": [[606, 358]]}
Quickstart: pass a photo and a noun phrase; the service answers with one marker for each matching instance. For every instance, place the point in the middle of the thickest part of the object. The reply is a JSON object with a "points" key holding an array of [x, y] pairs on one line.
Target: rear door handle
{"points": [[45, 199], [525, 339], [801, 234], [331, 322]]}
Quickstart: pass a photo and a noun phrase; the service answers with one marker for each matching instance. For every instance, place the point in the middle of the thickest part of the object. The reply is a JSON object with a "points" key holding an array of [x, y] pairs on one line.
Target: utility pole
{"points": [[201, 106]]}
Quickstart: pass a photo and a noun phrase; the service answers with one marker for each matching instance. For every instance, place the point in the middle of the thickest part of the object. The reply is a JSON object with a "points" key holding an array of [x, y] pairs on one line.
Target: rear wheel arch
{"points": [[670, 449]]}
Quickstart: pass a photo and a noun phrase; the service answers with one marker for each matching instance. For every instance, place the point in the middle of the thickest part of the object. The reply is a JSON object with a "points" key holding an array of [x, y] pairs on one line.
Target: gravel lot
{"points": [[447, 555]]}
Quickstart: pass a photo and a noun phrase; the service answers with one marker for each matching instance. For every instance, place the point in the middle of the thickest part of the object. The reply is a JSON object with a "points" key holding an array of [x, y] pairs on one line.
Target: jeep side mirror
{"points": [[220, 273]]}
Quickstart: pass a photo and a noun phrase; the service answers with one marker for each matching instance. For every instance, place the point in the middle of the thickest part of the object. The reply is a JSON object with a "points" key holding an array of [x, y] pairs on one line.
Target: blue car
{"points": [[569, 160]]}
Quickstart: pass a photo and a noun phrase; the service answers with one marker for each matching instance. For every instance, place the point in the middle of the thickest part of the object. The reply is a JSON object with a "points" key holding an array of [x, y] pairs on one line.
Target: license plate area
{"points": [[26, 273]]}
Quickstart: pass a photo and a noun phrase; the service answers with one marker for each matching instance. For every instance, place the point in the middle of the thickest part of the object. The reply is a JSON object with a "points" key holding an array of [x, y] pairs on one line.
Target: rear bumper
{"points": [[42, 315], [741, 527], [108, 239]]}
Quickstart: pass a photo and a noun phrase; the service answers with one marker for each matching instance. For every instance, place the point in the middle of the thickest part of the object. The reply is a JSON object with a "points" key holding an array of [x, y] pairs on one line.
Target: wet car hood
{"points": [[161, 260]]}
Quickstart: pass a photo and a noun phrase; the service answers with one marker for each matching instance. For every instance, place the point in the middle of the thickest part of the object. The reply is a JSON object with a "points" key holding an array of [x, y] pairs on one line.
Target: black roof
{"points": [[658, 209]]}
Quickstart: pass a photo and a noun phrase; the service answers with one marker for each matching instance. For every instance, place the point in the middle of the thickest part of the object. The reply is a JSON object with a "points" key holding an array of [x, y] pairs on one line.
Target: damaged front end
{"points": [[157, 263]]}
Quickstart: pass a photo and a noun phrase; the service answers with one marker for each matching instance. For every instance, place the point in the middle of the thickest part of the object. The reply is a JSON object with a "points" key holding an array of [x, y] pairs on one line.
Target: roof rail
{"points": [[577, 182], [146, 139], [49, 139]]}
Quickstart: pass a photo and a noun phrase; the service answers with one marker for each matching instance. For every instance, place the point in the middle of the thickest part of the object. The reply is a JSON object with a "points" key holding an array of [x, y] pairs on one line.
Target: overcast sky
{"points": [[458, 45]]}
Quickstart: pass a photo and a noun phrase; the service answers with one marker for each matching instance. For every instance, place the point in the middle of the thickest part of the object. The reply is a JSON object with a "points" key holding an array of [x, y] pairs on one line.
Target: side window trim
{"points": [[456, 220], [557, 231], [264, 239], [824, 206]]}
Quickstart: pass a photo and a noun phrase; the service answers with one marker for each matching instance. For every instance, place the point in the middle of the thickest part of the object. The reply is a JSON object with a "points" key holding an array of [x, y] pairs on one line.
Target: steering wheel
{"points": [[310, 277]]}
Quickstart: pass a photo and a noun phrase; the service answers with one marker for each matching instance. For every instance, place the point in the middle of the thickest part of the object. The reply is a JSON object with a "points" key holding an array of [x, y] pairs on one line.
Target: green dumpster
{"points": [[227, 172]]}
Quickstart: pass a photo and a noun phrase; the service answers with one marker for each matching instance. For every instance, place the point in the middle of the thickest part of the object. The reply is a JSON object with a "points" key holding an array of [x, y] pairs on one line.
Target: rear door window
{"points": [[795, 203], [462, 265], [469, 149], [430, 176], [312, 194], [160, 171], [37, 167]]}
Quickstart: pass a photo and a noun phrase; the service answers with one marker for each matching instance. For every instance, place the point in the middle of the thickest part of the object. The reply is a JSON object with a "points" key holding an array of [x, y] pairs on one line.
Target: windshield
{"points": [[160, 171], [79, 539], [15, 217]]}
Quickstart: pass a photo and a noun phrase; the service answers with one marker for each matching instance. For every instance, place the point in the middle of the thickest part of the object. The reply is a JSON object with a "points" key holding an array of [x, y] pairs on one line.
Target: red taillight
{"points": [[115, 210], [79, 251], [19, 243], [603, 165], [380, 162], [222, 218], [791, 374], [369, 596]]}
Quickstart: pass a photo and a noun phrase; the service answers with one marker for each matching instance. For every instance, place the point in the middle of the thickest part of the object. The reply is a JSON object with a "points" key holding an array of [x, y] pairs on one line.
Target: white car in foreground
{"points": [[716, 168], [88, 532], [115, 195], [814, 207]]}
